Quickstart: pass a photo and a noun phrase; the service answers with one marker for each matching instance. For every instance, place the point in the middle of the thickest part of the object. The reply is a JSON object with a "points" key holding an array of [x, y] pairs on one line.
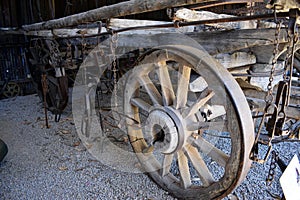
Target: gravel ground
{"points": [[53, 164]]}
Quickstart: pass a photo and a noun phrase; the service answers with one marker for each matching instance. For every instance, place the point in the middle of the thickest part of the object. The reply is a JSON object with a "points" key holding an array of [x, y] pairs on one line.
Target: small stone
{"points": [[75, 144], [65, 131], [63, 168]]}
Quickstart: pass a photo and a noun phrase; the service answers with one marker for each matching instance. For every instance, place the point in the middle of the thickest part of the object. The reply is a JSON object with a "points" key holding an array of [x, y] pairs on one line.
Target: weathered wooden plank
{"points": [[284, 5], [213, 42], [117, 24], [112, 24], [260, 104], [64, 32], [221, 2], [262, 82], [236, 59], [192, 15], [107, 12], [125, 23], [234, 40], [261, 95]]}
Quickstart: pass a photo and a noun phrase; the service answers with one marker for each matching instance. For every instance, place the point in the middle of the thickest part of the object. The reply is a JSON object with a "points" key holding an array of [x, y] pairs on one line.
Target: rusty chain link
{"points": [[269, 96], [45, 91], [69, 56], [271, 173], [252, 4], [55, 59], [293, 37], [113, 47]]}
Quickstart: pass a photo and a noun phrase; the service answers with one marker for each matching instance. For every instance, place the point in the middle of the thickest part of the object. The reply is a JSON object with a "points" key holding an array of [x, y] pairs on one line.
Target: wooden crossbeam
{"points": [[221, 3], [116, 10]]}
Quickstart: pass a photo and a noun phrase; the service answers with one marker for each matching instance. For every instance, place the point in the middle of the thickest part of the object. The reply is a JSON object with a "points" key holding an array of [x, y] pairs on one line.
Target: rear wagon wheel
{"points": [[188, 122]]}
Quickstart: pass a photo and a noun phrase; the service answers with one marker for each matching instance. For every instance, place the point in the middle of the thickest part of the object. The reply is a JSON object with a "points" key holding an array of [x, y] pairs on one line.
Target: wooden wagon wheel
{"points": [[188, 122], [12, 89]]}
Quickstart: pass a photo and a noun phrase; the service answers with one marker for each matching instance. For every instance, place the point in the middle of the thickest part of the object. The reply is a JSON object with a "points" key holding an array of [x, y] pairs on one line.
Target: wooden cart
{"points": [[187, 118]]}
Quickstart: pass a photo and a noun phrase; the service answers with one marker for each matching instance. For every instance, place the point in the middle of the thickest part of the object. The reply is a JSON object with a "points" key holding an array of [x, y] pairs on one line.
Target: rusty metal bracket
{"points": [[276, 122], [255, 148], [45, 90], [293, 15]]}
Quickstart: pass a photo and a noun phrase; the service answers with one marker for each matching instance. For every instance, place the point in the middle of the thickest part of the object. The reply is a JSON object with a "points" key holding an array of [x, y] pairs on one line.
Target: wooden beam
{"points": [[125, 23], [221, 3], [260, 104], [234, 40], [113, 23], [284, 5], [236, 59], [107, 12], [213, 42], [261, 95], [192, 15], [262, 82]]}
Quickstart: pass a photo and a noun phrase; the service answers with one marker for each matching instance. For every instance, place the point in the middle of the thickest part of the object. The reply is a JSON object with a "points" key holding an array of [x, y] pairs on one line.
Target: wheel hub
{"points": [[165, 130]]}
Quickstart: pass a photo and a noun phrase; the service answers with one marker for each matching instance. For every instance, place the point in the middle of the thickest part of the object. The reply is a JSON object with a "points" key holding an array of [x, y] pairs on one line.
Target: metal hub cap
{"points": [[164, 129]]}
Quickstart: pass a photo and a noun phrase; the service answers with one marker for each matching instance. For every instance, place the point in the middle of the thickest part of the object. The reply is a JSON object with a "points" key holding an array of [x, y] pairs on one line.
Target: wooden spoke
{"points": [[209, 149], [138, 102], [184, 170], [166, 85], [195, 126], [197, 105], [151, 90], [199, 165], [183, 85], [166, 164]]}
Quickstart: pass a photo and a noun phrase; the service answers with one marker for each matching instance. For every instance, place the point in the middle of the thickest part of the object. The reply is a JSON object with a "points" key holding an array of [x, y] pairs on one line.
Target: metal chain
{"points": [[252, 4], [69, 55], [113, 47], [269, 96], [39, 45], [293, 38], [271, 174], [55, 58], [287, 58]]}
